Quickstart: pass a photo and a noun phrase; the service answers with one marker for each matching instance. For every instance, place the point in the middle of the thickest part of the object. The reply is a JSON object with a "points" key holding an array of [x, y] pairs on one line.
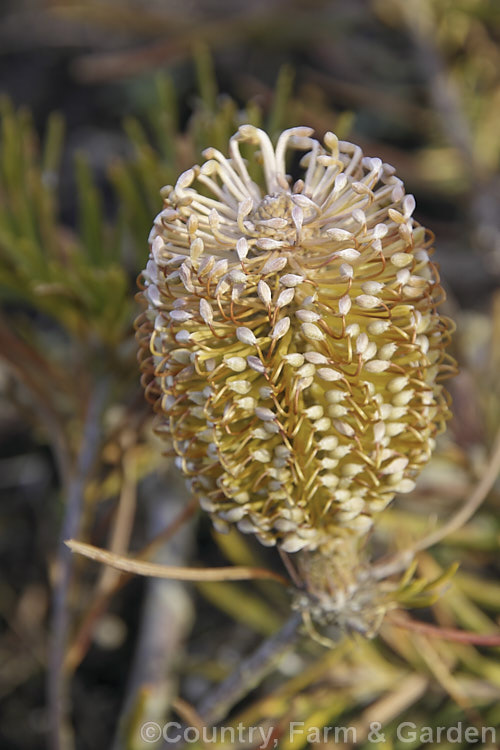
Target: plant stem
{"points": [[250, 672], [167, 616], [59, 735]]}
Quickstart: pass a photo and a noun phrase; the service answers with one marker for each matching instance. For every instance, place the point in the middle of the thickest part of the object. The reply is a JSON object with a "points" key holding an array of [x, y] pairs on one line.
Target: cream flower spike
{"points": [[291, 342]]}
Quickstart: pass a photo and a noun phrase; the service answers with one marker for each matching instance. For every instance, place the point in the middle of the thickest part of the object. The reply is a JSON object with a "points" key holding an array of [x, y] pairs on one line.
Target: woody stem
{"points": [[250, 672]]}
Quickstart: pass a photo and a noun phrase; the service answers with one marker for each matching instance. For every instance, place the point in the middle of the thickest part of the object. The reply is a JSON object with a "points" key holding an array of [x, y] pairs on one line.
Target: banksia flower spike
{"points": [[291, 341]]}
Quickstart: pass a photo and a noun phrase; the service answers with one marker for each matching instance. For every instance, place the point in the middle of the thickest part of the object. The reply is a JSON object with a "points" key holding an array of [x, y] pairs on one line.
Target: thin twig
{"points": [[99, 603], [188, 714], [124, 517], [447, 634], [250, 672], [110, 578], [170, 531], [35, 373], [140, 567], [443, 672], [471, 505], [57, 693], [290, 569], [392, 704], [166, 618], [402, 559]]}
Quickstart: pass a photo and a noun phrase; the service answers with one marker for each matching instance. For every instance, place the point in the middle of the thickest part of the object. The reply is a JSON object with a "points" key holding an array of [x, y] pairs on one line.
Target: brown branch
{"points": [[401, 560], [250, 672], [143, 568], [448, 634], [472, 503], [41, 379], [99, 603], [56, 678]]}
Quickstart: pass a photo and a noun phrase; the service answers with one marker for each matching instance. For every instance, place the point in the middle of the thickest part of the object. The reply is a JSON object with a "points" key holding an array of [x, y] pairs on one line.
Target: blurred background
{"points": [[102, 104]]}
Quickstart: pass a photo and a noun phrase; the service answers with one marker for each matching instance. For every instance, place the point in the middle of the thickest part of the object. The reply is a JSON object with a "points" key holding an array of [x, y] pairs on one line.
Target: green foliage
{"points": [[83, 278], [76, 278], [420, 592]]}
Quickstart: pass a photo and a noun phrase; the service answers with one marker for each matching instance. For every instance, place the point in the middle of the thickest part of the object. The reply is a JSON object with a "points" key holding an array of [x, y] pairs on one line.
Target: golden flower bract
{"points": [[291, 341]]}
